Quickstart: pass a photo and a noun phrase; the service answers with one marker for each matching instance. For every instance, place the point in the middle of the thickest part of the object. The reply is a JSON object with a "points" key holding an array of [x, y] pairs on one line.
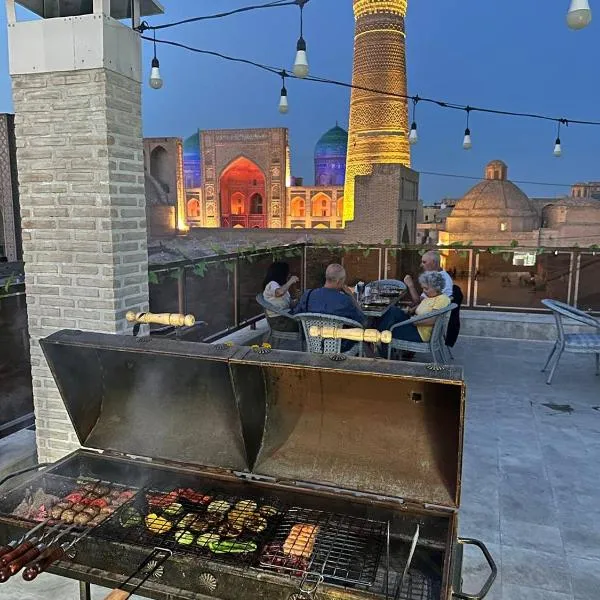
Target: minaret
{"points": [[378, 131]]}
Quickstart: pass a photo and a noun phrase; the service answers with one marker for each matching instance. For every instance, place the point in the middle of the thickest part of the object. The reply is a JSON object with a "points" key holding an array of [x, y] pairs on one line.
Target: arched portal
{"points": [[193, 208], [298, 207], [242, 190], [159, 167], [321, 205]]}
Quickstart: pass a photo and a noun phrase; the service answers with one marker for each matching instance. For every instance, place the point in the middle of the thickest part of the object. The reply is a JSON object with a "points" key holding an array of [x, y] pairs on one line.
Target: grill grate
{"points": [[339, 548], [210, 523]]}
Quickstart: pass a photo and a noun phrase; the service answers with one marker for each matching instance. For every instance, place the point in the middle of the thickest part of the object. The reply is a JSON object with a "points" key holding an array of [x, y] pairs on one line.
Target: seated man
{"points": [[433, 285], [430, 262], [334, 298]]}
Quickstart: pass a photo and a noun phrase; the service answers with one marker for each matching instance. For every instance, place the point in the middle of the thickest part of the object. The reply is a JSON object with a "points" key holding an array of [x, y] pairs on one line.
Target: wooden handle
{"points": [[45, 560], [6, 549], [355, 335], [14, 554], [161, 319], [117, 595], [16, 565]]}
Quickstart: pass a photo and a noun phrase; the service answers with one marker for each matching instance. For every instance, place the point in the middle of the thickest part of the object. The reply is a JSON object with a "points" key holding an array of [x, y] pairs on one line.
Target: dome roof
{"points": [[333, 143], [494, 196], [192, 144]]}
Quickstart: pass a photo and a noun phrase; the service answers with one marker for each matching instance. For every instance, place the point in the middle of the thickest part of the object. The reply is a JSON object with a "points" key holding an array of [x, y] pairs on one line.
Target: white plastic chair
{"points": [[578, 343]]}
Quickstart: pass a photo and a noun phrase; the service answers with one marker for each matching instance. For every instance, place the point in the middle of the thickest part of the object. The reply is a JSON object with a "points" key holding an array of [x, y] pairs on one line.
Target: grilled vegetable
{"points": [[248, 506], [268, 511], [200, 525], [206, 539], [231, 547], [157, 524], [218, 506], [186, 521], [185, 538], [255, 524], [238, 516], [130, 517], [229, 530], [214, 518], [173, 509], [99, 502]]}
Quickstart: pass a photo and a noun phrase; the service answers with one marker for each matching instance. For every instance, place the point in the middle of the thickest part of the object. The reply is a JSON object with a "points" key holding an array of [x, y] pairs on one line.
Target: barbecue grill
{"points": [[254, 475]]}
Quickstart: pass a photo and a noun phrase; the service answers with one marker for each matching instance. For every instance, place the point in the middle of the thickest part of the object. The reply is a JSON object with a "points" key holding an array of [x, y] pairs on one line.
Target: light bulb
{"points": [[283, 102], [557, 148], [579, 15], [467, 140], [301, 63], [413, 137], [156, 81]]}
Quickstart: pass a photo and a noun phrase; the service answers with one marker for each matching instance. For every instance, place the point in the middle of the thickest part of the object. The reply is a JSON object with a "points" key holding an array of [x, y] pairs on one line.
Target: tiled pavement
{"points": [[531, 477]]}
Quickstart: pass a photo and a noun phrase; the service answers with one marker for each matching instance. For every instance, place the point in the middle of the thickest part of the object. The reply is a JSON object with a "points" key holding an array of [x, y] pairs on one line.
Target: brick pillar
{"points": [[81, 175]]}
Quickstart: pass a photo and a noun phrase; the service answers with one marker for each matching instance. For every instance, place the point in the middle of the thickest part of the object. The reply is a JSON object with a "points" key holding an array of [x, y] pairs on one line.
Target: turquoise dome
{"points": [[333, 143], [192, 144]]}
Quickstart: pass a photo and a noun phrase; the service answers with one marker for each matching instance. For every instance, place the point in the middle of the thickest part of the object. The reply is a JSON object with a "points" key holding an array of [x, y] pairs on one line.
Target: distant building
{"points": [[588, 189], [495, 212]]}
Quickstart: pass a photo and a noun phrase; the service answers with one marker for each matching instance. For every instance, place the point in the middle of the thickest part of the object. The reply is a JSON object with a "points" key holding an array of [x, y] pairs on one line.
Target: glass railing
{"points": [[221, 290]]}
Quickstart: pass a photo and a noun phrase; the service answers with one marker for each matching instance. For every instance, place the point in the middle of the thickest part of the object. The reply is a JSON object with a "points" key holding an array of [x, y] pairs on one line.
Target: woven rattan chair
{"points": [[579, 343], [319, 345], [436, 346], [275, 335]]}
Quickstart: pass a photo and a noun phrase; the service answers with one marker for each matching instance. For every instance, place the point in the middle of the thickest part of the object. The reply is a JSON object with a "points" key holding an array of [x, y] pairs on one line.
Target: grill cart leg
{"points": [[85, 592]]}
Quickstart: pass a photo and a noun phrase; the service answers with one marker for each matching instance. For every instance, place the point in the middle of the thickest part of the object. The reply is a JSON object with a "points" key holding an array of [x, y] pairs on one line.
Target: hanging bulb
{"points": [[557, 148], [413, 137], [301, 62], [156, 81], [283, 101], [467, 139], [579, 15]]}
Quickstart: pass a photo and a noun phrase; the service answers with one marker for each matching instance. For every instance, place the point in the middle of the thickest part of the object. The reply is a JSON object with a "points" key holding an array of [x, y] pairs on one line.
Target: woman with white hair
{"points": [[432, 283]]}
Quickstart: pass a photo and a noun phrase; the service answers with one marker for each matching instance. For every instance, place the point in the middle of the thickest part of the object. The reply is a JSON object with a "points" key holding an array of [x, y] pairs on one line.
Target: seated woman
{"points": [[433, 284], [277, 284]]}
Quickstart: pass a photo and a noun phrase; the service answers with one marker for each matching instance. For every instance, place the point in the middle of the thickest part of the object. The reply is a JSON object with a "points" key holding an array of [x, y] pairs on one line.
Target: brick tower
{"points": [[378, 132]]}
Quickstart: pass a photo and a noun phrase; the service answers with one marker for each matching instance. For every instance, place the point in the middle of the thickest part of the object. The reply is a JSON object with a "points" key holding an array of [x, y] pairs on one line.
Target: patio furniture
{"points": [[274, 334], [579, 343], [436, 346], [319, 345]]}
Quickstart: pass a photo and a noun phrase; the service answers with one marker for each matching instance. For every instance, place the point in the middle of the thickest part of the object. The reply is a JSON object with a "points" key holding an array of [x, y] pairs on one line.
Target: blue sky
{"points": [[513, 55]]}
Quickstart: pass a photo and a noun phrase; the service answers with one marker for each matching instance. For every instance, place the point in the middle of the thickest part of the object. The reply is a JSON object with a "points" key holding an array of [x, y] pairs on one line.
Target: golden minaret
{"points": [[378, 129]]}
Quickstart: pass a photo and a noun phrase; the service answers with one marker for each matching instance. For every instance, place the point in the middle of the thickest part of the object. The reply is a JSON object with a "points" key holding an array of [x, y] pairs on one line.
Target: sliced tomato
{"points": [[99, 503]]}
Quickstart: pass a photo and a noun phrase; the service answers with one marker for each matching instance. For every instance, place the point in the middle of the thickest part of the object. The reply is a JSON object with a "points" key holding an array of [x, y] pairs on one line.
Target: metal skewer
{"points": [[408, 563], [14, 543]]}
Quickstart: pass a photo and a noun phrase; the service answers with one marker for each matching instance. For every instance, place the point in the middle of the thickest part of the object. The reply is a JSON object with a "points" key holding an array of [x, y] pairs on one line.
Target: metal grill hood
{"points": [[365, 426]]}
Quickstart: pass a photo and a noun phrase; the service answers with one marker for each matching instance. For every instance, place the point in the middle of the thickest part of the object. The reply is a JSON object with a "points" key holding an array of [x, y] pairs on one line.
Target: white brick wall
{"points": [[80, 163]]}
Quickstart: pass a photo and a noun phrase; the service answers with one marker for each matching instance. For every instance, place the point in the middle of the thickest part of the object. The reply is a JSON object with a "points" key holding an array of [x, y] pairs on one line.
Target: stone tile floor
{"points": [[531, 477]]}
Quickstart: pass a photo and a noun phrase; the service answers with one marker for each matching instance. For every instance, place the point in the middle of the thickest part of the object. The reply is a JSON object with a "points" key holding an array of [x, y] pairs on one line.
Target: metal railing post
{"points": [[236, 291], [181, 292]]}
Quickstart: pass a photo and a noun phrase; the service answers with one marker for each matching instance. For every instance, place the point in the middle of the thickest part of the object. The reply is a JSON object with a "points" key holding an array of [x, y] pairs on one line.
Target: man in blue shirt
{"points": [[334, 298]]}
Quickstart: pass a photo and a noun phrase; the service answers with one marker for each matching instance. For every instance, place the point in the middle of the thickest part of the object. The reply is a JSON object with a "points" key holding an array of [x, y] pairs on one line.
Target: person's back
{"points": [[331, 299]]}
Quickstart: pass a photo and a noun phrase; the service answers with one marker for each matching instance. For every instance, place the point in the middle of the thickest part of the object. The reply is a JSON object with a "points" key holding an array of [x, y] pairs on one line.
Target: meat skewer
{"points": [[13, 567], [25, 546], [11, 546], [49, 556]]}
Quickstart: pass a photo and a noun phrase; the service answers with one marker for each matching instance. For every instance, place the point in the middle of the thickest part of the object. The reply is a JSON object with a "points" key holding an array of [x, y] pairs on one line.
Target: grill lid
{"points": [[149, 397], [383, 427], [366, 426]]}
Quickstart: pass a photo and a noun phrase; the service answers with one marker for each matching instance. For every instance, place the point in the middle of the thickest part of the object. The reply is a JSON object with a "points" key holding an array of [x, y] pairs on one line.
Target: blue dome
{"points": [[333, 143], [192, 144]]}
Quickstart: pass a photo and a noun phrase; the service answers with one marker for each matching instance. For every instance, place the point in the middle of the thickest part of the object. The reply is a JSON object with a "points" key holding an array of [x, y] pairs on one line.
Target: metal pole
{"points": [[85, 592]]}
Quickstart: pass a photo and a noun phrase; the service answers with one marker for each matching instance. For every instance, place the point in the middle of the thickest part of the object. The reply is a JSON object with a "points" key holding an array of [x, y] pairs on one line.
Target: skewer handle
{"points": [[6, 549], [44, 560], [355, 335], [16, 565], [14, 554], [175, 319], [117, 595]]}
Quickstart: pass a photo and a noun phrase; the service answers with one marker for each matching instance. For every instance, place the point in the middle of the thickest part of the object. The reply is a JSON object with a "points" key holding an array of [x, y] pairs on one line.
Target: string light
{"points": [[557, 149], [467, 145], [579, 15], [300, 69], [467, 141], [413, 137], [156, 81], [283, 100]]}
